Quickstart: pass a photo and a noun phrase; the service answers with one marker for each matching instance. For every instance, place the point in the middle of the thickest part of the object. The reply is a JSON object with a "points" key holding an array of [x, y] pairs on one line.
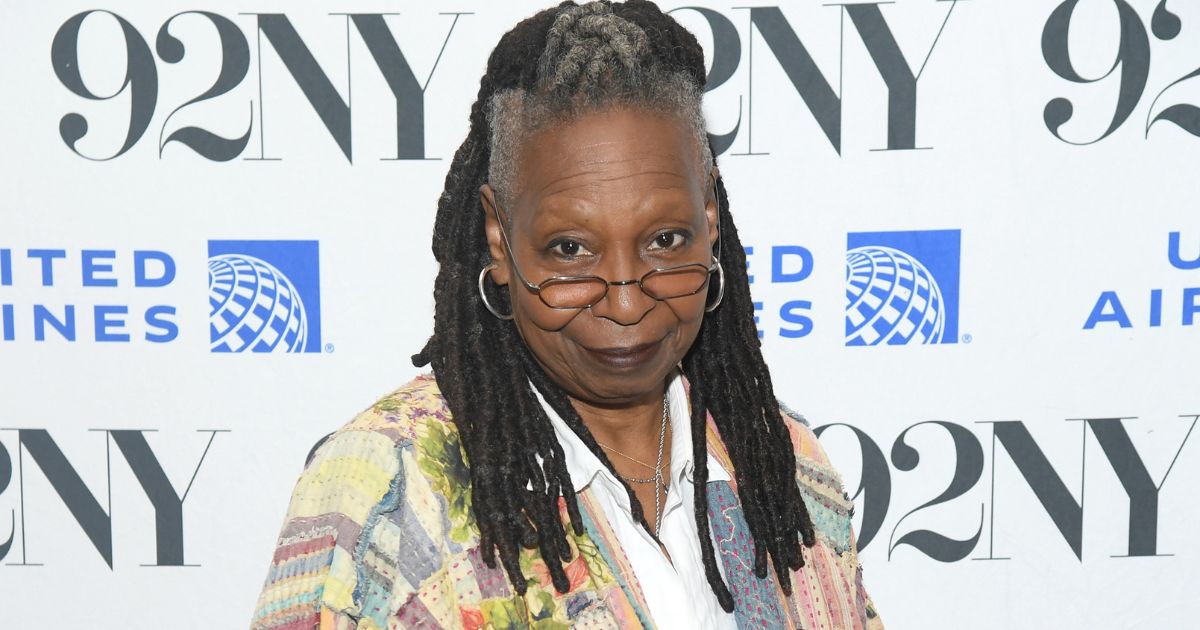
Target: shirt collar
{"points": [[583, 465]]}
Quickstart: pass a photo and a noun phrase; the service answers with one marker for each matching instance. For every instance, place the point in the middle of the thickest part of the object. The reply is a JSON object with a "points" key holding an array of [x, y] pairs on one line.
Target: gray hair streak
{"points": [[593, 61]]}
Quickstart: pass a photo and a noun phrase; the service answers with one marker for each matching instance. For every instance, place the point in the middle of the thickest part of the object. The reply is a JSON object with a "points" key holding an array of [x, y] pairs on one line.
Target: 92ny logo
{"points": [[1131, 67], [1012, 440], [141, 81]]}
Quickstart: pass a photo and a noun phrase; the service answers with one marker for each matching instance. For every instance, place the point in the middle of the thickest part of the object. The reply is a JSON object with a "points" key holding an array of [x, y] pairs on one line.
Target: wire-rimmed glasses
{"points": [[579, 292]]}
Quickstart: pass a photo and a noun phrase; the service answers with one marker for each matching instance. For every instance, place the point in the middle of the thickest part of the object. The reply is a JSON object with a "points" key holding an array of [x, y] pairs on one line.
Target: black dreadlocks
{"points": [[484, 369]]}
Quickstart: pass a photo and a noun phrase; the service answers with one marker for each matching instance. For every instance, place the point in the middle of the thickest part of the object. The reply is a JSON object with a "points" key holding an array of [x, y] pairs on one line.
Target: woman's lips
{"points": [[625, 357]]}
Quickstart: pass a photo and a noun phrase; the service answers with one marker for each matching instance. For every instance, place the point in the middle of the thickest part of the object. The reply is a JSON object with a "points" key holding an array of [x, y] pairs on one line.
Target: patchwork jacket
{"points": [[380, 534]]}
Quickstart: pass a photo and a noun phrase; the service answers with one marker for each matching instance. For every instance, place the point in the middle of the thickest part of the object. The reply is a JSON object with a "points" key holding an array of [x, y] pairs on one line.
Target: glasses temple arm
{"points": [[512, 259]]}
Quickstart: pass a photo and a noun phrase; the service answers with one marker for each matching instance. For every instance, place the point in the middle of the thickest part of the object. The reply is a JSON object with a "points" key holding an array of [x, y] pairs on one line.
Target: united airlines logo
{"points": [[902, 287], [264, 296]]}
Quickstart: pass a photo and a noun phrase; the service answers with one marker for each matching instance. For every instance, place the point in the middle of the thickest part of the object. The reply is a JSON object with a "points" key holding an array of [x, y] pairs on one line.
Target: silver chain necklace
{"points": [[657, 479]]}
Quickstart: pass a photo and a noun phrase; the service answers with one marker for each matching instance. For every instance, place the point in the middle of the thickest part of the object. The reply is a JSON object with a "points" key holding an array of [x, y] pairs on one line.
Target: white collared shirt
{"points": [[678, 594]]}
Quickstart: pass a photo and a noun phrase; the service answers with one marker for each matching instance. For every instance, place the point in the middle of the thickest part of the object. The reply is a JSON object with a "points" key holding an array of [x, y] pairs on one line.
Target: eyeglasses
{"points": [[579, 292]]}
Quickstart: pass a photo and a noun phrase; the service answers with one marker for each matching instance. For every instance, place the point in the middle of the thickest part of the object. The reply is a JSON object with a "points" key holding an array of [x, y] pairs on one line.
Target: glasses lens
{"points": [[678, 282], [574, 293]]}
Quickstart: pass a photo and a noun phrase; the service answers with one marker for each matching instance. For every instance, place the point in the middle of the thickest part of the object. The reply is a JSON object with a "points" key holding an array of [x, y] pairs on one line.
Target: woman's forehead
{"points": [[622, 152], [630, 209]]}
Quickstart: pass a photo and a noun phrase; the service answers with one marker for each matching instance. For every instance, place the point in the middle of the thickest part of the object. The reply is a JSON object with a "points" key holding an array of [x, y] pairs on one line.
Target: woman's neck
{"points": [[632, 428]]}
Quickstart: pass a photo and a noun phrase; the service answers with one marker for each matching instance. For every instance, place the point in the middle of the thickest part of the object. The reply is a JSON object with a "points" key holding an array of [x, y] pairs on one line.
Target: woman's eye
{"points": [[668, 240], [566, 248]]}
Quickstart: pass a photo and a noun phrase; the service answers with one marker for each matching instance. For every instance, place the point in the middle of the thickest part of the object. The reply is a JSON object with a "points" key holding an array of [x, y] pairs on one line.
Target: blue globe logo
{"points": [[253, 307], [891, 298]]}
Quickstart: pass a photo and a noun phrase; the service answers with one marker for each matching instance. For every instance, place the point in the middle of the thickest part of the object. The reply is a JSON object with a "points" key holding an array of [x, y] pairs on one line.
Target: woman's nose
{"points": [[625, 303]]}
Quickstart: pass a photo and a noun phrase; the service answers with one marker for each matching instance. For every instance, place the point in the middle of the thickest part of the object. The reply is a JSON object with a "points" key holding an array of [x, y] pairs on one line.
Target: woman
{"points": [[599, 445]]}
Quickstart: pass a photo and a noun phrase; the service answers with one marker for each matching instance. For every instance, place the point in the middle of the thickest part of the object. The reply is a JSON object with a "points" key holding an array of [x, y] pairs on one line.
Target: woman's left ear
{"points": [[492, 231], [712, 208]]}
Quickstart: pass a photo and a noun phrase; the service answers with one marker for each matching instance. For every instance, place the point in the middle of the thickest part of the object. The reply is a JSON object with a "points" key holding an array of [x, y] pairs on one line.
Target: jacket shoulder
{"points": [[820, 483], [399, 414], [321, 569]]}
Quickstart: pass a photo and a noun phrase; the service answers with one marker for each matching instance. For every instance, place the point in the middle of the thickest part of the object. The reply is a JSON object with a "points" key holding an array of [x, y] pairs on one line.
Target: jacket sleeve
{"points": [[312, 580], [831, 510]]}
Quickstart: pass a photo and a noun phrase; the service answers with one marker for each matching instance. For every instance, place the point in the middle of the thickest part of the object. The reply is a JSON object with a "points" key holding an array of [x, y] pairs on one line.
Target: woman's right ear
{"points": [[492, 230]]}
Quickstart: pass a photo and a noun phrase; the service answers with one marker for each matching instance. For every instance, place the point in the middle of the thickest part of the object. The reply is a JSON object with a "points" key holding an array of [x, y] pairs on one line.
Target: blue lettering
{"points": [[91, 266], [7, 309], [1117, 314], [749, 251], [6, 267], [142, 279], [1155, 307], [777, 254], [104, 322], [758, 306], [156, 318], [65, 326], [1173, 254], [47, 256], [793, 313], [1190, 307]]}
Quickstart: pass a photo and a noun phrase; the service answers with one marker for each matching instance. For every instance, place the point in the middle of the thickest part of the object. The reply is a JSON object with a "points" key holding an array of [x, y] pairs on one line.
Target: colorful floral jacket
{"points": [[380, 534]]}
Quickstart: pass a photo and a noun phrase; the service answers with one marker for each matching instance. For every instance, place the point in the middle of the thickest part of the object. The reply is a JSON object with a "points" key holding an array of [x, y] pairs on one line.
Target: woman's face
{"points": [[612, 194]]}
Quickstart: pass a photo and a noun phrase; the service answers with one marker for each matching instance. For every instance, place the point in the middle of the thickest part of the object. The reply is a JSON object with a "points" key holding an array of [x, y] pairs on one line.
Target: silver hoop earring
{"points": [[720, 287], [483, 294]]}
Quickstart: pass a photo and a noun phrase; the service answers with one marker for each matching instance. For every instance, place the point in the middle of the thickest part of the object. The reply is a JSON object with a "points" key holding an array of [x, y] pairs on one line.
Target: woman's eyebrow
{"points": [[668, 210]]}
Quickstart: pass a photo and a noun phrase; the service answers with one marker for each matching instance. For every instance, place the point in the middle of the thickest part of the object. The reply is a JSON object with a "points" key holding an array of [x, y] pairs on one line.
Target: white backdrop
{"points": [[1030, 466]]}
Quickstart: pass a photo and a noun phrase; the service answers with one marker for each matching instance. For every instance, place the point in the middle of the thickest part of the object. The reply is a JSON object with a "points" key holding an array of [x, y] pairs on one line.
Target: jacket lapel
{"points": [[758, 603], [629, 603]]}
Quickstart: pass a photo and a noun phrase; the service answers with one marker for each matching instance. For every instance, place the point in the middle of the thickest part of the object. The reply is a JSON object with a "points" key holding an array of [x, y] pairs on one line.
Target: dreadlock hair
{"points": [[551, 68]]}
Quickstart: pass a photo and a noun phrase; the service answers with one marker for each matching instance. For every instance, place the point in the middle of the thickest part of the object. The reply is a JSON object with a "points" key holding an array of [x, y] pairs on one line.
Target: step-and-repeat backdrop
{"points": [[1013, 409]]}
